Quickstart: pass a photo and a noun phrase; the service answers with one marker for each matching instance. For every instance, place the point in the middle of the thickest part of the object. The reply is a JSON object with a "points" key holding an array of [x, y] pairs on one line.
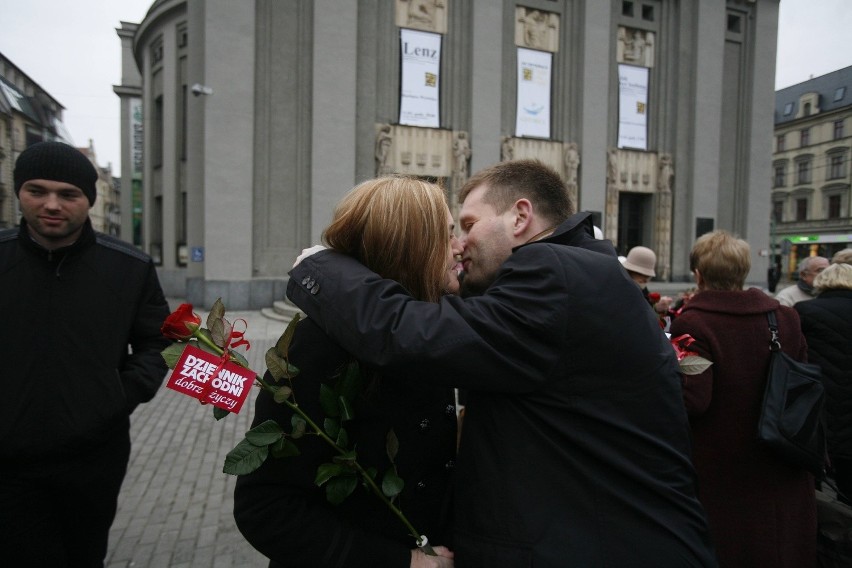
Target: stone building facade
{"points": [[811, 177], [257, 116]]}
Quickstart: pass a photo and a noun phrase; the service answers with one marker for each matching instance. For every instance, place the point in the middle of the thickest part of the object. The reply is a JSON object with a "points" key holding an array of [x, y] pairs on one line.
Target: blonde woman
{"points": [[402, 229], [762, 512]]}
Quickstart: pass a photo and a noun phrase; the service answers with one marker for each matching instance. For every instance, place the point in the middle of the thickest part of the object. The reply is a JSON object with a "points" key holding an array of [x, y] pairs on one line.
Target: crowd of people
{"points": [[581, 442]]}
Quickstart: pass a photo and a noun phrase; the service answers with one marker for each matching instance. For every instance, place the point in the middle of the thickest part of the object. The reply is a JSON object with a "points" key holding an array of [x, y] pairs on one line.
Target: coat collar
{"points": [[577, 231], [87, 237], [751, 301]]}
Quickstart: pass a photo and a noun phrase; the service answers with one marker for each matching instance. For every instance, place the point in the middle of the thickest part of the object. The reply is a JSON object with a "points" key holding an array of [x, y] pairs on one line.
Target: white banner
{"points": [[421, 63], [632, 107], [533, 112]]}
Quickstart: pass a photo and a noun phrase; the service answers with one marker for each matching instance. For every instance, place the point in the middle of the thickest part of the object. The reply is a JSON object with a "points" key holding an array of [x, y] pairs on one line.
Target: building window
{"points": [[802, 209], [834, 207], [806, 110], [157, 138], [804, 172], [781, 142], [780, 177], [627, 9], [647, 13], [839, 94], [838, 129], [778, 211], [805, 137], [835, 167], [788, 109], [734, 23]]}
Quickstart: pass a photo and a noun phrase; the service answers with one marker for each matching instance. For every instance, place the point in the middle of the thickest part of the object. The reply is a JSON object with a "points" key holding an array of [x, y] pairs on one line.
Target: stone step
{"points": [[281, 310]]}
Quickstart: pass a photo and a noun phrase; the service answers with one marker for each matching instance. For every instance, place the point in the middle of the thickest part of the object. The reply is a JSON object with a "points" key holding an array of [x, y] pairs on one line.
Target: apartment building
{"points": [[810, 169]]}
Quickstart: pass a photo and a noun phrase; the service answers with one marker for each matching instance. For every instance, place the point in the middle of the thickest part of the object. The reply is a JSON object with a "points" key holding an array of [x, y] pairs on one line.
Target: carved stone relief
{"points": [[536, 29], [384, 142], [461, 157], [415, 151], [571, 159], [427, 15], [642, 172], [635, 47], [507, 149]]}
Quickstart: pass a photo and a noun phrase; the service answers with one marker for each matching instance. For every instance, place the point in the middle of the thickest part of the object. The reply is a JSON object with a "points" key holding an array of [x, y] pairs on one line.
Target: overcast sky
{"points": [[70, 48]]}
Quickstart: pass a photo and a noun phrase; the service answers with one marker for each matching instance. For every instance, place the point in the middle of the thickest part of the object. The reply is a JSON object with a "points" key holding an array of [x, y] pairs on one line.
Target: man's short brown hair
{"points": [[517, 179]]}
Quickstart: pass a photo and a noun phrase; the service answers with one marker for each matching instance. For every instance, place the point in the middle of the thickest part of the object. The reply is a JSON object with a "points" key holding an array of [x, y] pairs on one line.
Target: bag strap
{"points": [[774, 337]]}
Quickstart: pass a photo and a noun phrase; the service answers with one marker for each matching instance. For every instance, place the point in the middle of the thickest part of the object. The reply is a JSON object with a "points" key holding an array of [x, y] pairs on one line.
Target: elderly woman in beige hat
{"points": [[640, 263]]}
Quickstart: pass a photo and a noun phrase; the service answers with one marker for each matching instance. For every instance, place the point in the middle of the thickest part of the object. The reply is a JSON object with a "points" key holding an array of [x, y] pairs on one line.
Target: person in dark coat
{"points": [[80, 343], [762, 512], [403, 229], [575, 445], [827, 325]]}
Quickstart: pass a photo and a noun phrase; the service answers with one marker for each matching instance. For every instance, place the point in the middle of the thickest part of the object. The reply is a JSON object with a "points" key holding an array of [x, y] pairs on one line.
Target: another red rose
{"points": [[175, 326]]}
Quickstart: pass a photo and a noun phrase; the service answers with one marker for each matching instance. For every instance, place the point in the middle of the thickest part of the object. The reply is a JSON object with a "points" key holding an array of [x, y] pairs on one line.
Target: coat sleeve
{"points": [[507, 340], [279, 509], [144, 369], [697, 389]]}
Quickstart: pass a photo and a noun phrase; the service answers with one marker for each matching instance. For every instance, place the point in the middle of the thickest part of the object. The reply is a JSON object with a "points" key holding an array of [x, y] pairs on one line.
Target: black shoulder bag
{"points": [[791, 414]]}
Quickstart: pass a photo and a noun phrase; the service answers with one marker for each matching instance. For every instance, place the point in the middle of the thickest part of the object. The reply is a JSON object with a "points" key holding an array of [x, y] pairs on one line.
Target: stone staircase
{"points": [[281, 310]]}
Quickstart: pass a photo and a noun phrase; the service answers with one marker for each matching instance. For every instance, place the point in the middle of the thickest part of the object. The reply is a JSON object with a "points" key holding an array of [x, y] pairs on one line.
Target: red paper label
{"points": [[227, 390]]}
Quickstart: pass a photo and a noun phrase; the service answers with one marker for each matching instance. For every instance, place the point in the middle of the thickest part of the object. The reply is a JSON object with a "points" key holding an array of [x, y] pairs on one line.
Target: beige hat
{"points": [[641, 260]]}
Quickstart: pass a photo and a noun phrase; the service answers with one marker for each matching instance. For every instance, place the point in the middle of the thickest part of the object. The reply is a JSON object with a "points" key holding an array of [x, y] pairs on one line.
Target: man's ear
{"points": [[523, 217]]}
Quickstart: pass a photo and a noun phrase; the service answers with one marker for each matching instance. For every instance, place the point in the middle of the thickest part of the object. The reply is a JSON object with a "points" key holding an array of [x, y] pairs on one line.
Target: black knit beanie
{"points": [[56, 161]]}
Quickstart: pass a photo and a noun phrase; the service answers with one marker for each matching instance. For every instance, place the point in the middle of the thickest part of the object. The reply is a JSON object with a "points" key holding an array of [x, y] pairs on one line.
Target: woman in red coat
{"points": [[762, 512]]}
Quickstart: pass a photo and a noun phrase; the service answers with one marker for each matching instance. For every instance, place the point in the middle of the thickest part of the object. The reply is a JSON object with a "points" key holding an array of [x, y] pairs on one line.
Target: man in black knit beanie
{"points": [[80, 345]]}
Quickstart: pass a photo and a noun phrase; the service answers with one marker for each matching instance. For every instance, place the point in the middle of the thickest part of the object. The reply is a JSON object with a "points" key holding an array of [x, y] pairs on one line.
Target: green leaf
{"points": [[239, 359], [342, 438], [220, 330], [392, 445], [331, 427], [339, 488], [350, 383], [282, 393], [172, 353], [299, 426], [326, 471], [347, 458], [220, 413], [217, 312], [245, 458], [392, 484], [276, 364], [328, 401], [283, 344], [265, 434], [284, 448], [371, 473], [345, 409], [694, 365]]}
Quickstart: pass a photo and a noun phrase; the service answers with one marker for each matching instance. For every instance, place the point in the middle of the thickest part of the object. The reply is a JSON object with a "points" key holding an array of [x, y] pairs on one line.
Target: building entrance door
{"points": [[633, 210]]}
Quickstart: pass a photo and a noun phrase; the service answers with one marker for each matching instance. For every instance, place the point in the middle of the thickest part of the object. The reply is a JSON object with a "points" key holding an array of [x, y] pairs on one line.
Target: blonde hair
{"points": [[397, 227], [722, 259], [844, 255], [836, 276]]}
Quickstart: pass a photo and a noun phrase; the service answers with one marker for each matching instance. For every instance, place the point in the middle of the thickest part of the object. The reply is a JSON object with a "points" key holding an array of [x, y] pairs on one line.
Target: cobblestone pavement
{"points": [[175, 506]]}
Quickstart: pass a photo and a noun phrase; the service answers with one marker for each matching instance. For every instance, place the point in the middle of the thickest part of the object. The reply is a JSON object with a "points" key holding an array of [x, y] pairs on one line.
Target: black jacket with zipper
{"points": [[68, 317]]}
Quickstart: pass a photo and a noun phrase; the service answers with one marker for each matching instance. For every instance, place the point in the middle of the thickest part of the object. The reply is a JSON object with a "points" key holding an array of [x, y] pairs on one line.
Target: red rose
{"points": [[653, 297], [175, 326]]}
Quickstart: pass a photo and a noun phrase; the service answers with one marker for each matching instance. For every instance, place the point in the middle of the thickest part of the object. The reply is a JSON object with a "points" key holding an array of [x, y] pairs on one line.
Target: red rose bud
{"points": [[653, 297], [175, 326]]}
